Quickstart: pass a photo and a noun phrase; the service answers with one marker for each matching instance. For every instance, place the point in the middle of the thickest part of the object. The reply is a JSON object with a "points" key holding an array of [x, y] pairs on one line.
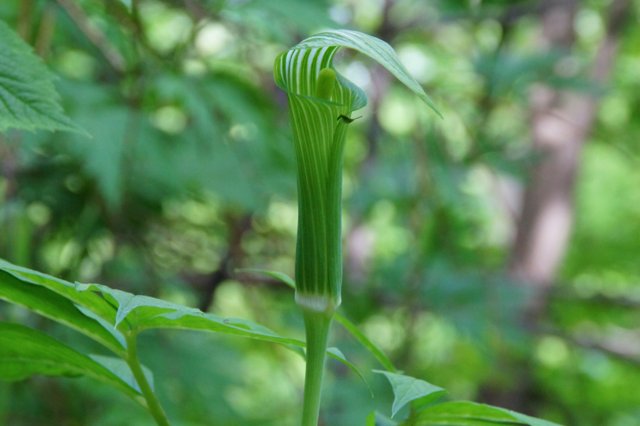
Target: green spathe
{"points": [[321, 102]]}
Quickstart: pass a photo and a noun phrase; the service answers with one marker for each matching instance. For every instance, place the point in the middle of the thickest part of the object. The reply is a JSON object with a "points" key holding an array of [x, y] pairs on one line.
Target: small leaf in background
{"points": [[276, 275], [103, 156], [28, 98], [407, 389], [25, 352], [378, 353]]}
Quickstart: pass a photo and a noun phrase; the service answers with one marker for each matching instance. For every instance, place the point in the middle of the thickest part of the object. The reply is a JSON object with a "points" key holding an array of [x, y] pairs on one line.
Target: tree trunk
{"points": [[560, 125]]}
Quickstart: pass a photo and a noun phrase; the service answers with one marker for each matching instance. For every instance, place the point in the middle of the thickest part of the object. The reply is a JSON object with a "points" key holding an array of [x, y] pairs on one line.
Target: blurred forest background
{"points": [[493, 252]]}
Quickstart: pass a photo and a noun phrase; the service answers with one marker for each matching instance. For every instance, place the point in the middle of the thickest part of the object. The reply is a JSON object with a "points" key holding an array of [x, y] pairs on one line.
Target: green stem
{"points": [[136, 368], [317, 325]]}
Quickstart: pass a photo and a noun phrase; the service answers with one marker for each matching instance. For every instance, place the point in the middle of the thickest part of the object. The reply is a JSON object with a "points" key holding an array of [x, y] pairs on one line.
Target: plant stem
{"points": [[153, 404], [317, 325]]}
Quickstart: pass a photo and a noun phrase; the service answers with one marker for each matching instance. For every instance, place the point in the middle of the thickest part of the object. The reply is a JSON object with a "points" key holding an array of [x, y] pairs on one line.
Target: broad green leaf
{"points": [[28, 98], [465, 413], [75, 292], [120, 312], [25, 352], [58, 308], [407, 389], [133, 313], [150, 316], [136, 313], [379, 355], [139, 313]]}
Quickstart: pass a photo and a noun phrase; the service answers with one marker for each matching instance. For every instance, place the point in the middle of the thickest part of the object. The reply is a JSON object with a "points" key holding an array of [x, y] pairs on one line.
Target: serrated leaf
{"points": [[407, 389], [466, 413], [25, 352], [28, 98]]}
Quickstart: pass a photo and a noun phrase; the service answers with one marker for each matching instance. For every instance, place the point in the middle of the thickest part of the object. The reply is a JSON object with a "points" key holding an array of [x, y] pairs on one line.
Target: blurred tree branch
{"points": [[94, 34], [624, 347], [24, 19], [45, 31], [207, 286]]}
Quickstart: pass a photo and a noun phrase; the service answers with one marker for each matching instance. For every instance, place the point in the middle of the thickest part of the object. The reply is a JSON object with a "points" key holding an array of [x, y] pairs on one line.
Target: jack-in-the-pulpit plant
{"points": [[321, 102], [321, 105]]}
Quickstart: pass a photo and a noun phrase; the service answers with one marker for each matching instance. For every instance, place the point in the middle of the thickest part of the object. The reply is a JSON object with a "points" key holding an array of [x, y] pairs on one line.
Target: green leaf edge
{"points": [[80, 363]]}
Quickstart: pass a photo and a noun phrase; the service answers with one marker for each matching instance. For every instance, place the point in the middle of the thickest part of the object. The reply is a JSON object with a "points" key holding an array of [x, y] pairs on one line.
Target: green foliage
{"points": [[111, 317], [107, 314], [188, 176], [28, 98], [49, 303], [25, 352], [425, 412]]}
